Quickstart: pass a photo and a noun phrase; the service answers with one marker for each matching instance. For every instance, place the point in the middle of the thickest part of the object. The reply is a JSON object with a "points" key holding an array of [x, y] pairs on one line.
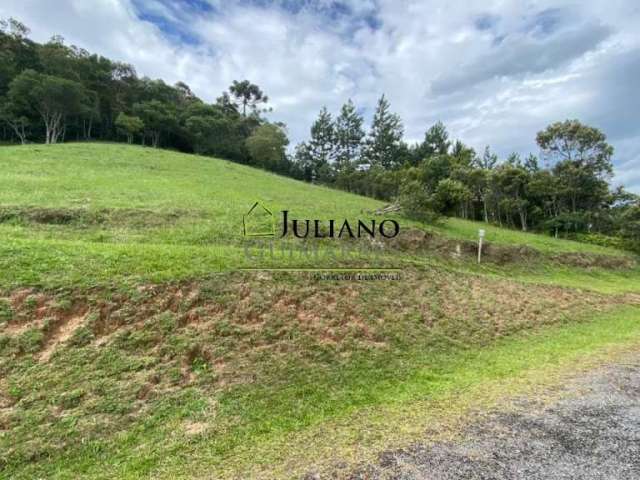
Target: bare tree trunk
{"points": [[47, 127], [486, 213], [19, 130], [523, 220]]}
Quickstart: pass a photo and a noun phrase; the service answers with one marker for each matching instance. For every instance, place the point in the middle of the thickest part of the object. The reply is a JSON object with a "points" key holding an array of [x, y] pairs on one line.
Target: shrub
{"points": [[416, 203]]}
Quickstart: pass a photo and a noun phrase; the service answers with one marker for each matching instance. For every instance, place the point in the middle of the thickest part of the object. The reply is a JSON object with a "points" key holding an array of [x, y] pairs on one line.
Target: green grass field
{"points": [[133, 344], [92, 213]]}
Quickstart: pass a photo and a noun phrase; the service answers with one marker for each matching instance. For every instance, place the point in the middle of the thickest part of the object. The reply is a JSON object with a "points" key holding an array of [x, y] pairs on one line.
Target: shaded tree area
{"points": [[53, 92]]}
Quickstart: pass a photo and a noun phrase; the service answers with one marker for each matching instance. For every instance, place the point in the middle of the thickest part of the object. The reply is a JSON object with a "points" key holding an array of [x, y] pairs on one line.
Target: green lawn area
{"points": [[195, 199]]}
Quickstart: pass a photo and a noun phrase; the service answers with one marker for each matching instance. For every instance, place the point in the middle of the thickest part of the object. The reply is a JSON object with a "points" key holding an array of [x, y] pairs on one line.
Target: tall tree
{"points": [[215, 130], [53, 98], [18, 122], [267, 147], [158, 117], [317, 155], [488, 160], [349, 136], [436, 141], [129, 126], [572, 141], [384, 143], [17, 52], [248, 95], [582, 162], [513, 180]]}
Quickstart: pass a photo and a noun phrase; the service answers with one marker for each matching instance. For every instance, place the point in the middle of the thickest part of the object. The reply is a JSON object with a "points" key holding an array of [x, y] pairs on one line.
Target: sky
{"points": [[494, 71]]}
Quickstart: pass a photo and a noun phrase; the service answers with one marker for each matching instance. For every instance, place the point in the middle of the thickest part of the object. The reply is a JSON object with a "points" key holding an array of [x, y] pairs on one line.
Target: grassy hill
{"points": [[133, 342], [93, 213]]}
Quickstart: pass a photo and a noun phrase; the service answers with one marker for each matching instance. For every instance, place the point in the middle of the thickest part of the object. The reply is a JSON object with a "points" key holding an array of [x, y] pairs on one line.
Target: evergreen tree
{"points": [[436, 142], [247, 95], [384, 142], [349, 136], [317, 155], [488, 160]]}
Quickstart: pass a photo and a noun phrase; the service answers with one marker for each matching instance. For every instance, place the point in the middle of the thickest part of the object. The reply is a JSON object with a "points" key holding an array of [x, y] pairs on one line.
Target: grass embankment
{"points": [[238, 380], [129, 347]]}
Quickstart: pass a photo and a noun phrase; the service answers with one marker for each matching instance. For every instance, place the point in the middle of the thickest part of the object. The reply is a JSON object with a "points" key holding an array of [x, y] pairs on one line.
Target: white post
{"points": [[480, 237]]}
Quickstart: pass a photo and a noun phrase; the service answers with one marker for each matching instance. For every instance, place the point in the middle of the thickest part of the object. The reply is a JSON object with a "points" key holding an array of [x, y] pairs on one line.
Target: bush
{"points": [[608, 241], [416, 203]]}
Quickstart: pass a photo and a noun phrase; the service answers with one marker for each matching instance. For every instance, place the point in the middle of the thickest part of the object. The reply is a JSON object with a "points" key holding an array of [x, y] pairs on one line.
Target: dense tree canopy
{"points": [[267, 145], [53, 92], [53, 99]]}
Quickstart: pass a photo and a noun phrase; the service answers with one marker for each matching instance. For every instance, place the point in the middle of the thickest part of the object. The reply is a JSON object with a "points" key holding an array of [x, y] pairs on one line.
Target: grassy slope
{"points": [[166, 215], [234, 374]]}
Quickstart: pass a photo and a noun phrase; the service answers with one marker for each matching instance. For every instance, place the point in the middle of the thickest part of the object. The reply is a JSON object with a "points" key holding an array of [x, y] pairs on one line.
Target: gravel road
{"points": [[593, 433]]}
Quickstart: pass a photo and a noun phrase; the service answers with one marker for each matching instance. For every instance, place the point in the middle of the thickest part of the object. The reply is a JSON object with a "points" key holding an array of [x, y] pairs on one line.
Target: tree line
{"points": [[566, 192], [53, 92]]}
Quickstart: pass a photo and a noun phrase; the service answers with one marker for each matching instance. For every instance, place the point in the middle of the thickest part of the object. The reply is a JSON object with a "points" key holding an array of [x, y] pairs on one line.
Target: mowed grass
{"points": [[197, 189], [118, 213], [468, 230]]}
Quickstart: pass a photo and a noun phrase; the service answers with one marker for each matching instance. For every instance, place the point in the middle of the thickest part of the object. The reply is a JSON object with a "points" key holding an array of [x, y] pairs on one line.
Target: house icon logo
{"points": [[258, 222]]}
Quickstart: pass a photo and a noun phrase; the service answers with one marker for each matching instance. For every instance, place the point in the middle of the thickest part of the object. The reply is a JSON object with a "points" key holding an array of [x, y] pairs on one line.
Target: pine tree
{"points": [[317, 155], [436, 141], [349, 136], [383, 145], [489, 160]]}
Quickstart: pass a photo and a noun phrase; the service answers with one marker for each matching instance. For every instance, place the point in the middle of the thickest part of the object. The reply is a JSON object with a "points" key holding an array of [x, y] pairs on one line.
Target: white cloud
{"points": [[496, 72]]}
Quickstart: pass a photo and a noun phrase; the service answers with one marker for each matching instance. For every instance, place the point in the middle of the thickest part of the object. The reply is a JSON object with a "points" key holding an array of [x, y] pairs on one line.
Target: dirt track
{"points": [[593, 433]]}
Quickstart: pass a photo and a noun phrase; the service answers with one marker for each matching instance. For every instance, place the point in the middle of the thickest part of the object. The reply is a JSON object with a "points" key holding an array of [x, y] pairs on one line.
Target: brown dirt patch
{"points": [[194, 428], [60, 334]]}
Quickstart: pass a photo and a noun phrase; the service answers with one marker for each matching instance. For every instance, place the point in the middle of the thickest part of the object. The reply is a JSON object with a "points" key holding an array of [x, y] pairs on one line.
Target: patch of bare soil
{"points": [[418, 240], [194, 428], [59, 334]]}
